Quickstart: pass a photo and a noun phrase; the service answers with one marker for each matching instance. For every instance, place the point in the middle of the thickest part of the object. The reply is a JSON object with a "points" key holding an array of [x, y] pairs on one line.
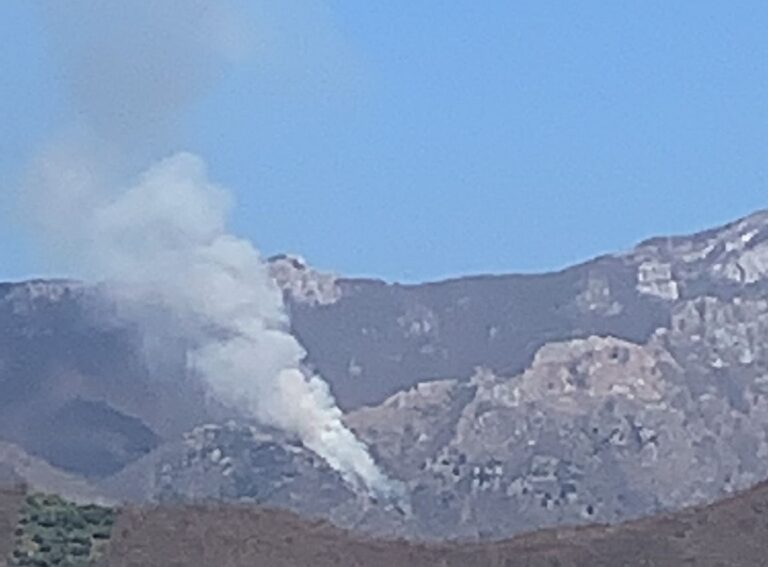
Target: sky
{"points": [[419, 140]]}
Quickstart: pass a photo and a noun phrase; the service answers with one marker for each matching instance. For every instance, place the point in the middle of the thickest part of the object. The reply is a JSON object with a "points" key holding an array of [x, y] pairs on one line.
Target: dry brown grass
{"points": [[731, 534]]}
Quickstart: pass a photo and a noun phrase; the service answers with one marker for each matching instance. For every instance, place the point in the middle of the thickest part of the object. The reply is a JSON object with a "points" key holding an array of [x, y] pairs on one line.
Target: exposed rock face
{"points": [[602, 428], [413, 426], [589, 432], [302, 283], [734, 254], [655, 278], [378, 339], [594, 430], [577, 374]]}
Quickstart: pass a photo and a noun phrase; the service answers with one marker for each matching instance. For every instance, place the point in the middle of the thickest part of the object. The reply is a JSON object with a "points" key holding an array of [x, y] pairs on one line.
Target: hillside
{"points": [[731, 533]]}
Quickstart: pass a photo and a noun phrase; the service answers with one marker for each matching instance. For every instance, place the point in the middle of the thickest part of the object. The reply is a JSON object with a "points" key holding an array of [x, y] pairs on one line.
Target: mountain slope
{"points": [[625, 386]]}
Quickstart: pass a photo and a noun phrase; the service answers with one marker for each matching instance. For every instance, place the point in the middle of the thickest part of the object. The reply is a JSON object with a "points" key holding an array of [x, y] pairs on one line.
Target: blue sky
{"points": [[416, 140]]}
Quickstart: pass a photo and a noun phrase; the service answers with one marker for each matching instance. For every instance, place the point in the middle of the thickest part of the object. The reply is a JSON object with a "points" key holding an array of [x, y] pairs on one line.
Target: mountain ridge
{"points": [[625, 386]]}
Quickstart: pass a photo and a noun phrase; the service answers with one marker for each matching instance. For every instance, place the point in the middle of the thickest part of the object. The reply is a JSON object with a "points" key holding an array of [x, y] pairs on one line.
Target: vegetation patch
{"points": [[54, 532]]}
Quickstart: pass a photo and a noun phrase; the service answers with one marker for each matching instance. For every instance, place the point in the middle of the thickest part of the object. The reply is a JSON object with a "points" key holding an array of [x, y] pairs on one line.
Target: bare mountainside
{"points": [[626, 386]]}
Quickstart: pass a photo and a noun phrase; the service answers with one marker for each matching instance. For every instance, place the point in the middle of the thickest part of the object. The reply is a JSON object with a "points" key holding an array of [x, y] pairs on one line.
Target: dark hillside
{"points": [[732, 533]]}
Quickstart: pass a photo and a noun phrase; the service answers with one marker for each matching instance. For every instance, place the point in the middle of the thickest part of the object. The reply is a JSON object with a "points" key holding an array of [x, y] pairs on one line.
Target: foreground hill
{"points": [[731, 533]]}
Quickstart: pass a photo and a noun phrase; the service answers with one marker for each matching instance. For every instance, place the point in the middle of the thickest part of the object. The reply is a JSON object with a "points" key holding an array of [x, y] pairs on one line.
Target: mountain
{"points": [[633, 384], [372, 339]]}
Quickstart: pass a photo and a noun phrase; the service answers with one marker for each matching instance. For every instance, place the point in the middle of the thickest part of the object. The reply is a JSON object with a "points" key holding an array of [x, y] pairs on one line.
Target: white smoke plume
{"points": [[161, 243], [130, 67]]}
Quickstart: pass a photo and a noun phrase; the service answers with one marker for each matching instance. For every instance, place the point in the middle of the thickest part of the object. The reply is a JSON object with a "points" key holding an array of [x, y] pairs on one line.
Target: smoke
{"points": [[163, 244], [160, 240], [130, 68]]}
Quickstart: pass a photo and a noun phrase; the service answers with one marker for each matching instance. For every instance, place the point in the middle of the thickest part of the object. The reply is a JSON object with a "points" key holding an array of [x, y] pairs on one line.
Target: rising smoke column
{"points": [[161, 243]]}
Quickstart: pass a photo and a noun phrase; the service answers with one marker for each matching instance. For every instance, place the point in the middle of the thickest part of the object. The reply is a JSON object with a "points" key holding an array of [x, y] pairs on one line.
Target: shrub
{"points": [[54, 532]]}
